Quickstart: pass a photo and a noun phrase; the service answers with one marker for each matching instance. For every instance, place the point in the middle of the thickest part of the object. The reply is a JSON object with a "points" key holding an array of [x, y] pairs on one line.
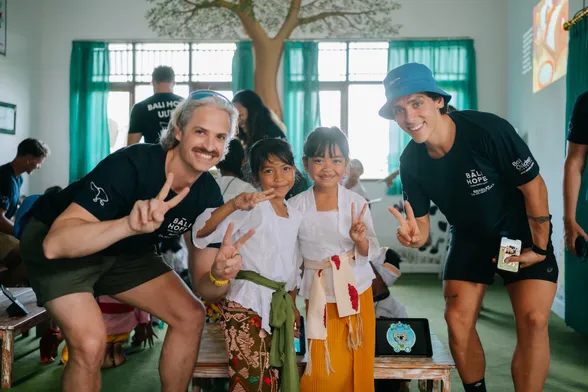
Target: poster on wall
{"points": [[3, 27], [550, 42]]}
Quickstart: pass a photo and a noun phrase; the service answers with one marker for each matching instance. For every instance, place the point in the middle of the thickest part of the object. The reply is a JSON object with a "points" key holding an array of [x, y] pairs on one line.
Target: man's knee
{"points": [[533, 322], [88, 350], [459, 321], [190, 318]]}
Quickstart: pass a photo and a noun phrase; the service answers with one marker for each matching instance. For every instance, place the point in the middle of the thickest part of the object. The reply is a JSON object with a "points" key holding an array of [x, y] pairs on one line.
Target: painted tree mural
{"points": [[268, 23]]}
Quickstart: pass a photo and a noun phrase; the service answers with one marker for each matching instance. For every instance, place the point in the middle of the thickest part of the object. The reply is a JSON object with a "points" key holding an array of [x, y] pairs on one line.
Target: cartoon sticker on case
{"points": [[401, 337]]}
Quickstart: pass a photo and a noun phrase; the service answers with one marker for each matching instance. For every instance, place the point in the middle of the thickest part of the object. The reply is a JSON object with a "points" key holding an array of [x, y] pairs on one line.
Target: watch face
{"points": [[401, 337]]}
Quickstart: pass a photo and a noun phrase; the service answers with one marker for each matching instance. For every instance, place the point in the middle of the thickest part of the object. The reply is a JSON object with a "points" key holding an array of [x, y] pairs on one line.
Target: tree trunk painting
{"points": [[269, 23]]}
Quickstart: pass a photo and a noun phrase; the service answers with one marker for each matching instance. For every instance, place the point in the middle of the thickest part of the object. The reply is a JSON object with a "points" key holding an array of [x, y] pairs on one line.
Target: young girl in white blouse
{"points": [[259, 313], [337, 240]]}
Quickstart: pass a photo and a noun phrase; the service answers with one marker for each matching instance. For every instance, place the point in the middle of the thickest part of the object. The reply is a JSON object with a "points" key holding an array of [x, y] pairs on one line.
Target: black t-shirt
{"points": [[110, 190], [475, 183], [150, 116], [9, 190], [578, 126]]}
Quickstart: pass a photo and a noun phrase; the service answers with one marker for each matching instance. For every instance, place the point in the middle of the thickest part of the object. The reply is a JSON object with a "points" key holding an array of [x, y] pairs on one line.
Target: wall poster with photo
{"points": [[7, 118]]}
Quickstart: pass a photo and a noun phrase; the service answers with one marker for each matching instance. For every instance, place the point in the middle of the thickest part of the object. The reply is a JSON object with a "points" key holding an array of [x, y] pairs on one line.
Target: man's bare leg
{"points": [[531, 302], [82, 325], [462, 305], [170, 300]]}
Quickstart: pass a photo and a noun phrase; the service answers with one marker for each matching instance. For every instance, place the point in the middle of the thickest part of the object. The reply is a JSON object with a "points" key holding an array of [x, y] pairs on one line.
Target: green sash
{"points": [[282, 315]]}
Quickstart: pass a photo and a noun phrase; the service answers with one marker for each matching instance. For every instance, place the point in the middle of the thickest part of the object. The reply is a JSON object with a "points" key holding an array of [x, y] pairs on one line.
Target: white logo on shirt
{"points": [[101, 196], [177, 227], [478, 182], [524, 166]]}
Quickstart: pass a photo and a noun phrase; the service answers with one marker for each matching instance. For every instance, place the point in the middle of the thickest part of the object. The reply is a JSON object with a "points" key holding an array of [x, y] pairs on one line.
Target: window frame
{"points": [[192, 84]]}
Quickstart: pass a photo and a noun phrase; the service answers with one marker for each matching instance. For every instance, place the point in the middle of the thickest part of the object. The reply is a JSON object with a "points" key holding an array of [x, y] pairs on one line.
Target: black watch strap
{"points": [[539, 251]]}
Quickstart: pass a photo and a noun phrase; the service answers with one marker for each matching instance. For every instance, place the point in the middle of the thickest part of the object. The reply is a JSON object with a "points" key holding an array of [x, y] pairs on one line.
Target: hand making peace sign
{"points": [[358, 229], [147, 215], [246, 201], [408, 233], [227, 262]]}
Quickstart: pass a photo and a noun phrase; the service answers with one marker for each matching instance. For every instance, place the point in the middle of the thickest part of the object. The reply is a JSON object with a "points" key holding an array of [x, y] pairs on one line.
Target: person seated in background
{"points": [[30, 155], [231, 181], [353, 182]]}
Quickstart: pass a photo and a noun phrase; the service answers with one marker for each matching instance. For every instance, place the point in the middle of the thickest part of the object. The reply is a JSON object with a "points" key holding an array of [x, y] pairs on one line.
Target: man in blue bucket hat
{"points": [[483, 177]]}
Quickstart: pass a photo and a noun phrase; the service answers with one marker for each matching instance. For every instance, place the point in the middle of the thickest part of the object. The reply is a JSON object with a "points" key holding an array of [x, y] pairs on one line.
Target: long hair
{"points": [[182, 115], [260, 123]]}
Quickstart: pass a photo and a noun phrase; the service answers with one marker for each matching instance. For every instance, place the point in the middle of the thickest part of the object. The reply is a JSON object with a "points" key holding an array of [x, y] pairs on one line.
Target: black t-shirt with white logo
{"points": [[578, 126], [475, 183], [110, 190], [150, 116]]}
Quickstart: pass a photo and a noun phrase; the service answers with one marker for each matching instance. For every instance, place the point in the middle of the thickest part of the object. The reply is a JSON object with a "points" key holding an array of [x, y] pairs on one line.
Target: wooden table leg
{"points": [[447, 381], [7, 358]]}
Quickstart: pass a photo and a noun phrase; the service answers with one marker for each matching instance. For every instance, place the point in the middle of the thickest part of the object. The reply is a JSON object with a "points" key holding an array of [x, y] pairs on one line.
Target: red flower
{"points": [[337, 261], [325, 316], [255, 321], [353, 296], [267, 381]]}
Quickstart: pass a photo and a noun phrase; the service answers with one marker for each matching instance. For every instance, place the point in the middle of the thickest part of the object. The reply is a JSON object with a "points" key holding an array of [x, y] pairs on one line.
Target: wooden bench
{"points": [[213, 363], [11, 327]]}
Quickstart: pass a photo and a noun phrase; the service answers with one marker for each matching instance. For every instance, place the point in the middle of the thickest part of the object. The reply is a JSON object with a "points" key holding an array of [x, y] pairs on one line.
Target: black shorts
{"points": [[96, 274], [471, 261]]}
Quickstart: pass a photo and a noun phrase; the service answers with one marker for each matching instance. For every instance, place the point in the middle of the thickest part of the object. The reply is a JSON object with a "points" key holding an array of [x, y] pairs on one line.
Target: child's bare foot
{"points": [[118, 354], [108, 360]]}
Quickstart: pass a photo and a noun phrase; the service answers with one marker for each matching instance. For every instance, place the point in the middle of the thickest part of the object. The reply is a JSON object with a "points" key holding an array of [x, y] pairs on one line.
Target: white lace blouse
{"points": [[272, 252]]}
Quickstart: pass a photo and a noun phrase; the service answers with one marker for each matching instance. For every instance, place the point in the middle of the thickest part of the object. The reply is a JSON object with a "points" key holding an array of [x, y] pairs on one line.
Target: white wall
{"points": [[68, 20], [17, 78]]}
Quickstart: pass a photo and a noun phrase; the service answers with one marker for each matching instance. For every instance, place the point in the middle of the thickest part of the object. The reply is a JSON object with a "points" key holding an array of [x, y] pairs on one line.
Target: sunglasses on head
{"points": [[200, 94]]}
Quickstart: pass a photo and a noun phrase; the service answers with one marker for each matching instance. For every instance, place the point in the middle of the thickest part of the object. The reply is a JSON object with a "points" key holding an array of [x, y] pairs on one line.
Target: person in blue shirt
{"points": [[31, 154]]}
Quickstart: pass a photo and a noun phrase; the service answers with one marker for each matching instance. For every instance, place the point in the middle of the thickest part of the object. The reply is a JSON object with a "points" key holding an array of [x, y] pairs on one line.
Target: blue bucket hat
{"points": [[408, 79]]}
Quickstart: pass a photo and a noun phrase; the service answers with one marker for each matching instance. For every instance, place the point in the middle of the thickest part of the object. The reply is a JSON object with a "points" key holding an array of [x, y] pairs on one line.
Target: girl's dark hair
{"points": [[434, 97], [322, 138], [261, 152], [233, 161], [259, 119]]}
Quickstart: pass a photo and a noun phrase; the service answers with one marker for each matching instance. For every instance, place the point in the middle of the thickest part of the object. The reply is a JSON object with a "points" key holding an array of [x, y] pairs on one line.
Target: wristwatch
{"points": [[217, 283], [539, 251]]}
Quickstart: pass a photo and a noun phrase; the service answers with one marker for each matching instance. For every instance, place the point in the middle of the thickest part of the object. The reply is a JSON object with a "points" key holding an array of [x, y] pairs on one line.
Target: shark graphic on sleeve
{"points": [[101, 196]]}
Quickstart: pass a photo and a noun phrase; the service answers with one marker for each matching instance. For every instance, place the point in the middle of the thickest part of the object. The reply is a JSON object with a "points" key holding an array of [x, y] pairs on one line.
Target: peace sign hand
{"points": [[246, 201], [408, 233], [358, 229], [147, 215], [227, 262]]}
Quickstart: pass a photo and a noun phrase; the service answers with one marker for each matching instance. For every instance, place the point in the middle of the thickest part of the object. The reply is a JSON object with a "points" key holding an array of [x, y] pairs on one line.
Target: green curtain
{"points": [[453, 63], [301, 94], [243, 67], [88, 102], [576, 273]]}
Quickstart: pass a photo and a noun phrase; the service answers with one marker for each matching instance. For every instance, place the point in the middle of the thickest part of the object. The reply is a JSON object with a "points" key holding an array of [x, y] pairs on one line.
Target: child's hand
{"points": [[358, 229], [247, 201], [227, 262], [297, 324]]}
